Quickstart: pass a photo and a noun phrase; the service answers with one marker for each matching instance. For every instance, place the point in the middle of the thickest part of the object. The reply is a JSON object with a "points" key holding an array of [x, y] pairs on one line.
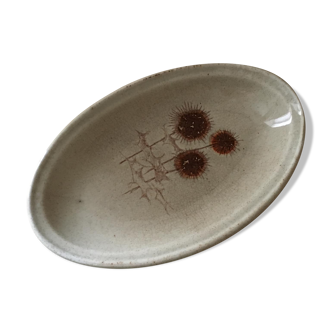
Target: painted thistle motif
{"points": [[188, 124]]}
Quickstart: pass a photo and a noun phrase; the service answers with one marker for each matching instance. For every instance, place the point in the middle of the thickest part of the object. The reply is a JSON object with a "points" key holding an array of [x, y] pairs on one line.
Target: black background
{"points": [[279, 237]]}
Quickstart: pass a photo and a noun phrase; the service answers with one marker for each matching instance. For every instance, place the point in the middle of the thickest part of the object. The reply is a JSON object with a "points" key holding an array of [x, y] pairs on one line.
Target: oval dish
{"points": [[167, 166]]}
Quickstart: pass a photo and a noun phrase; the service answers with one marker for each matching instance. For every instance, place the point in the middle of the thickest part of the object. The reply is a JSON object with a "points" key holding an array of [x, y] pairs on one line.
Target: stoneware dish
{"points": [[167, 166]]}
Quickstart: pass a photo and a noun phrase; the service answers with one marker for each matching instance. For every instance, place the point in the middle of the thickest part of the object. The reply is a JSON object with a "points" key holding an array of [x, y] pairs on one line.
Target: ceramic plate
{"points": [[167, 166]]}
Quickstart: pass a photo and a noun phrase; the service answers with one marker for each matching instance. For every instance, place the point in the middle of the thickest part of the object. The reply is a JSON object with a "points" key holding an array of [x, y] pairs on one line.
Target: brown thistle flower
{"points": [[224, 142], [191, 122], [191, 164]]}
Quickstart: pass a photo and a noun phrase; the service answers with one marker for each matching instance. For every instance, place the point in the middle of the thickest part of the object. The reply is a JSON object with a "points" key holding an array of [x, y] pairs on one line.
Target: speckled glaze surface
{"points": [[167, 166]]}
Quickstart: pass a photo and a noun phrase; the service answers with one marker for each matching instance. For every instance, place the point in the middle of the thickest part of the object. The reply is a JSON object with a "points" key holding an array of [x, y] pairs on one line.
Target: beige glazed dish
{"points": [[167, 166]]}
